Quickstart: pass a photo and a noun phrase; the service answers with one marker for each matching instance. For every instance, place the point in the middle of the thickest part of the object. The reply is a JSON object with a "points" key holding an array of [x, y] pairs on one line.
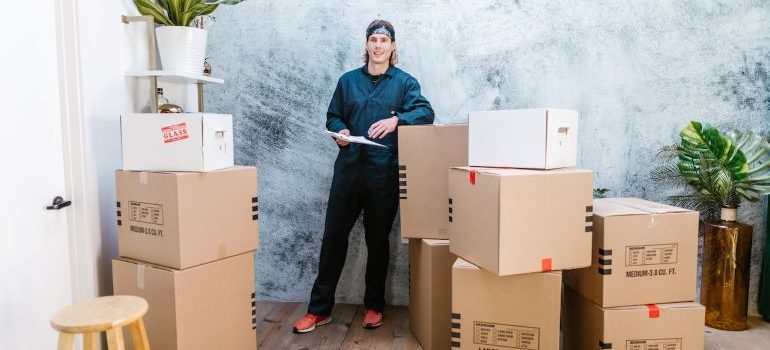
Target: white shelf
{"points": [[178, 75]]}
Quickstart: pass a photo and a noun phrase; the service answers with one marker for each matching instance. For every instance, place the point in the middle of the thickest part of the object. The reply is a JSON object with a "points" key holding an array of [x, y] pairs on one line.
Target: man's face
{"points": [[379, 47]]}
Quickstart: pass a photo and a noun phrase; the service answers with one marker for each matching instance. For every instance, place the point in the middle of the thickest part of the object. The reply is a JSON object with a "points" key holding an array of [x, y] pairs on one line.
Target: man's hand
{"points": [[383, 127], [343, 143]]}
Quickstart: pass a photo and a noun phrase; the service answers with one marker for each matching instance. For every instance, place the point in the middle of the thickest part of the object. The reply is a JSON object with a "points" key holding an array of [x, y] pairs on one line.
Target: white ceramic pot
{"points": [[181, 48]]}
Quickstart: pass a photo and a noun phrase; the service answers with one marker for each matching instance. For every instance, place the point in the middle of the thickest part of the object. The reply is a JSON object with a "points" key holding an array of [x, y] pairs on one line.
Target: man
{"points": [[372, 100]]}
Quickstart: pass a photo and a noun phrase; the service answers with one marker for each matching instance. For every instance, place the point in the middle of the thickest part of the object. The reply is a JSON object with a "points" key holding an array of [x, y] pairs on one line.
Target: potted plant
{"points": [[720, 170], [180, 34]]}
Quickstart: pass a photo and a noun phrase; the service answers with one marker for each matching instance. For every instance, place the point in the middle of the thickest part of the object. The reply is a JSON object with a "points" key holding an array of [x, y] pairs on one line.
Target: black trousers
{"points": [[370, 185]]}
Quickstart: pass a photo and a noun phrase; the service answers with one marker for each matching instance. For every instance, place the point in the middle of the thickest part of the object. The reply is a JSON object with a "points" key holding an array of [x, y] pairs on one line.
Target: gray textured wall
{"points": [[636, 70]]}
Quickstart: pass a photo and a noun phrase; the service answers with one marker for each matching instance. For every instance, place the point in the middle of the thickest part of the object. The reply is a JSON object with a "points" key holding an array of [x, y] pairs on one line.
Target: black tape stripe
{"points": [[118, 213], [255, 208], [450, 219], [590, 218], [455, 344], [455, 316], [450, 200], [402, 183], [605, 252], [118, 204], [450, 209], [605, 262], [402, 175], [455, 325], [402, 190], [401, 167], [254, 199], [589, 209], [590, 228], [404, 197], [603, 345], [120, 223], [455, 335], [605, 272], [255, 217]]}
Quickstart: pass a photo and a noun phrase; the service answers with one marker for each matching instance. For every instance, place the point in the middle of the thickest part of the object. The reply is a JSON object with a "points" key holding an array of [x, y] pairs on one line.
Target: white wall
{"points": [[106, 52]]}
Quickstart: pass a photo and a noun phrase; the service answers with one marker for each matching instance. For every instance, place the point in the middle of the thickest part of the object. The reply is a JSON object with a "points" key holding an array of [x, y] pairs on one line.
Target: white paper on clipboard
{"points": [[354, 139]]}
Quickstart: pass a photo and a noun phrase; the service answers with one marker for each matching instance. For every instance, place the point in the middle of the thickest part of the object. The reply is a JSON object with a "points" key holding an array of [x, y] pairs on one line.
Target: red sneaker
{"points": [[308, 323], [372, 319]]}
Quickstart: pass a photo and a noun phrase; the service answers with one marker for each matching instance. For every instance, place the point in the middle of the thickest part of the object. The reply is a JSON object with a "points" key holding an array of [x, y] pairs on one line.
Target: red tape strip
{"points": [[654, 310], [545, 264], [472, 176]]}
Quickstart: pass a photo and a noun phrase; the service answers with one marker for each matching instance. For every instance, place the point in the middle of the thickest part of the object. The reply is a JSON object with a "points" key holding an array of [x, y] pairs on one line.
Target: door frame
{"points": [[83, 252]]}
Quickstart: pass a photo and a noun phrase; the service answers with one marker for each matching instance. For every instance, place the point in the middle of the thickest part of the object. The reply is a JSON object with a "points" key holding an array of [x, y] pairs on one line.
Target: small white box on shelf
{"points": [[177, 141]]}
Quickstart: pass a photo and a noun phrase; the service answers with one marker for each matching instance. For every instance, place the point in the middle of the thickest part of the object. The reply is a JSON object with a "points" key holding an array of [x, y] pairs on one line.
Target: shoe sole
{"points": [[372, 326], [307, 330]]}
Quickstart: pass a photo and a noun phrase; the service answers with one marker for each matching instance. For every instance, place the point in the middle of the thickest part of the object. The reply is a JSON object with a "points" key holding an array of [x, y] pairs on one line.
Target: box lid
{"points": [[632, 206], [505, 172], [436, 242], [667, 306], [191, 173]]}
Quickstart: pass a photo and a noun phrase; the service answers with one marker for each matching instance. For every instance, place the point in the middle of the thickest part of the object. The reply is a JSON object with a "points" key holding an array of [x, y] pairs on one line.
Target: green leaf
{"points": [[150, 8]]}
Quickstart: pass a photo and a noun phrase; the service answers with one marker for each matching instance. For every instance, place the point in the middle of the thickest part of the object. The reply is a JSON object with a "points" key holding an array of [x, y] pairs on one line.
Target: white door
{"points": [[34, 242]]}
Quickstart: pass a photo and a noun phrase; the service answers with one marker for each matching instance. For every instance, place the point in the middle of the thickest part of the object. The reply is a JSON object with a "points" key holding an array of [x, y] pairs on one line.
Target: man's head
{"points": [[381, 43]]}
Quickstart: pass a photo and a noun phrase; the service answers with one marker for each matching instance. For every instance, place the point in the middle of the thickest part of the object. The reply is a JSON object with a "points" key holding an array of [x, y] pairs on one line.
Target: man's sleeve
{"points": [[334, 117], [416, 108]]}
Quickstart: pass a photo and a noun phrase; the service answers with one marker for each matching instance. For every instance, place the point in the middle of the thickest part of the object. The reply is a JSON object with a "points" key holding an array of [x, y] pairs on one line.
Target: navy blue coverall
{"points": [[365, 177]]}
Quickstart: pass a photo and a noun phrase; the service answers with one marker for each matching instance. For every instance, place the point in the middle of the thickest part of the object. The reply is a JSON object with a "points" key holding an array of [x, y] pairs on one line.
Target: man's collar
{"points": [[389, 72]]}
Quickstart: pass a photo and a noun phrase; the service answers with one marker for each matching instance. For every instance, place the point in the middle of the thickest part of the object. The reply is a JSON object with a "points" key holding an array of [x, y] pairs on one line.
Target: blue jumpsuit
{"points": [[365, 178]]}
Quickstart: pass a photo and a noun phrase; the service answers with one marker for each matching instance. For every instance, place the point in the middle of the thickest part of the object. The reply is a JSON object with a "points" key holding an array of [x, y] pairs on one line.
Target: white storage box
{"points": [[543, 138], [177, 141]]}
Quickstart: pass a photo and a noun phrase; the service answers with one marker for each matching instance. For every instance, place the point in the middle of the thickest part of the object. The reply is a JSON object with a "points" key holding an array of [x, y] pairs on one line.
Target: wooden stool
{"points": [[105, 314]]}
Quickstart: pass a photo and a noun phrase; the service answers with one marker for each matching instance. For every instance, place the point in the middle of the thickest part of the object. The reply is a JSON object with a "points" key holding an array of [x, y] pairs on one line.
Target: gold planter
{"points": [[726, 269]]}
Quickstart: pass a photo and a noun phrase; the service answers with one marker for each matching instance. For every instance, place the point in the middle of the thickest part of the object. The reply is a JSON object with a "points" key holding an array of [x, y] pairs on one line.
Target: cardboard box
{"points": [[502, 313], [587, 326], [425, 152], [643, 253], [544, 138], [177, 141], [430, 292], [203, 307], [181, 220], [513, 221]]}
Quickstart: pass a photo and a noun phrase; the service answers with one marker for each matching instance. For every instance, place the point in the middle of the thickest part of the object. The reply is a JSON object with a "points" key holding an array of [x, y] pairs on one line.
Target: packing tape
{"points": [[654, 310], [472, 177], [140, 275], [653, 213], [546, 264], [143, 177]]}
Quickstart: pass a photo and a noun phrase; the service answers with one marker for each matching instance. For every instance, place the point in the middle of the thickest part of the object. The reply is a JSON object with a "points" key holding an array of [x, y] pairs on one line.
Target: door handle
{"points": [[58, 203]]}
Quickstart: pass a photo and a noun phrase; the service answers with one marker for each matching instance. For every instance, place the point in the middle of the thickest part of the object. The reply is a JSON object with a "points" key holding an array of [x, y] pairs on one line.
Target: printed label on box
{"points": [[174, 132], [654, 344], [504, 335], [148, 213], [146, 230], [655, 254]]}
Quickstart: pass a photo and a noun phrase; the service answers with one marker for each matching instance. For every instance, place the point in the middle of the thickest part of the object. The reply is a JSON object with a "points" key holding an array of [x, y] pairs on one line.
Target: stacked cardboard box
{"points": [[517, 216], [638, 292], [425, 154], [187, 231]]}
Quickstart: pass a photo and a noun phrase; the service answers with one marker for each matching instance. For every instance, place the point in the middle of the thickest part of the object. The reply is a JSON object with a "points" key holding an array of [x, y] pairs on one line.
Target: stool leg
{"points": [[139, 335], [66, 341], [115, 339], [91, 341]]}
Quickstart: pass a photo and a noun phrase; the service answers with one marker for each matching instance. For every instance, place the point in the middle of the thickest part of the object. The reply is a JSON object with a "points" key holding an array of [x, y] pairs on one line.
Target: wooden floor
{"points": [[275, 322]]}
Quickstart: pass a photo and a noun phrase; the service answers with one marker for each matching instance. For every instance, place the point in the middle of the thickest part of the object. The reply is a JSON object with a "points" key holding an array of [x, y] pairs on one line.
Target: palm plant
{"points": [[717, 169], [179, 12]]}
